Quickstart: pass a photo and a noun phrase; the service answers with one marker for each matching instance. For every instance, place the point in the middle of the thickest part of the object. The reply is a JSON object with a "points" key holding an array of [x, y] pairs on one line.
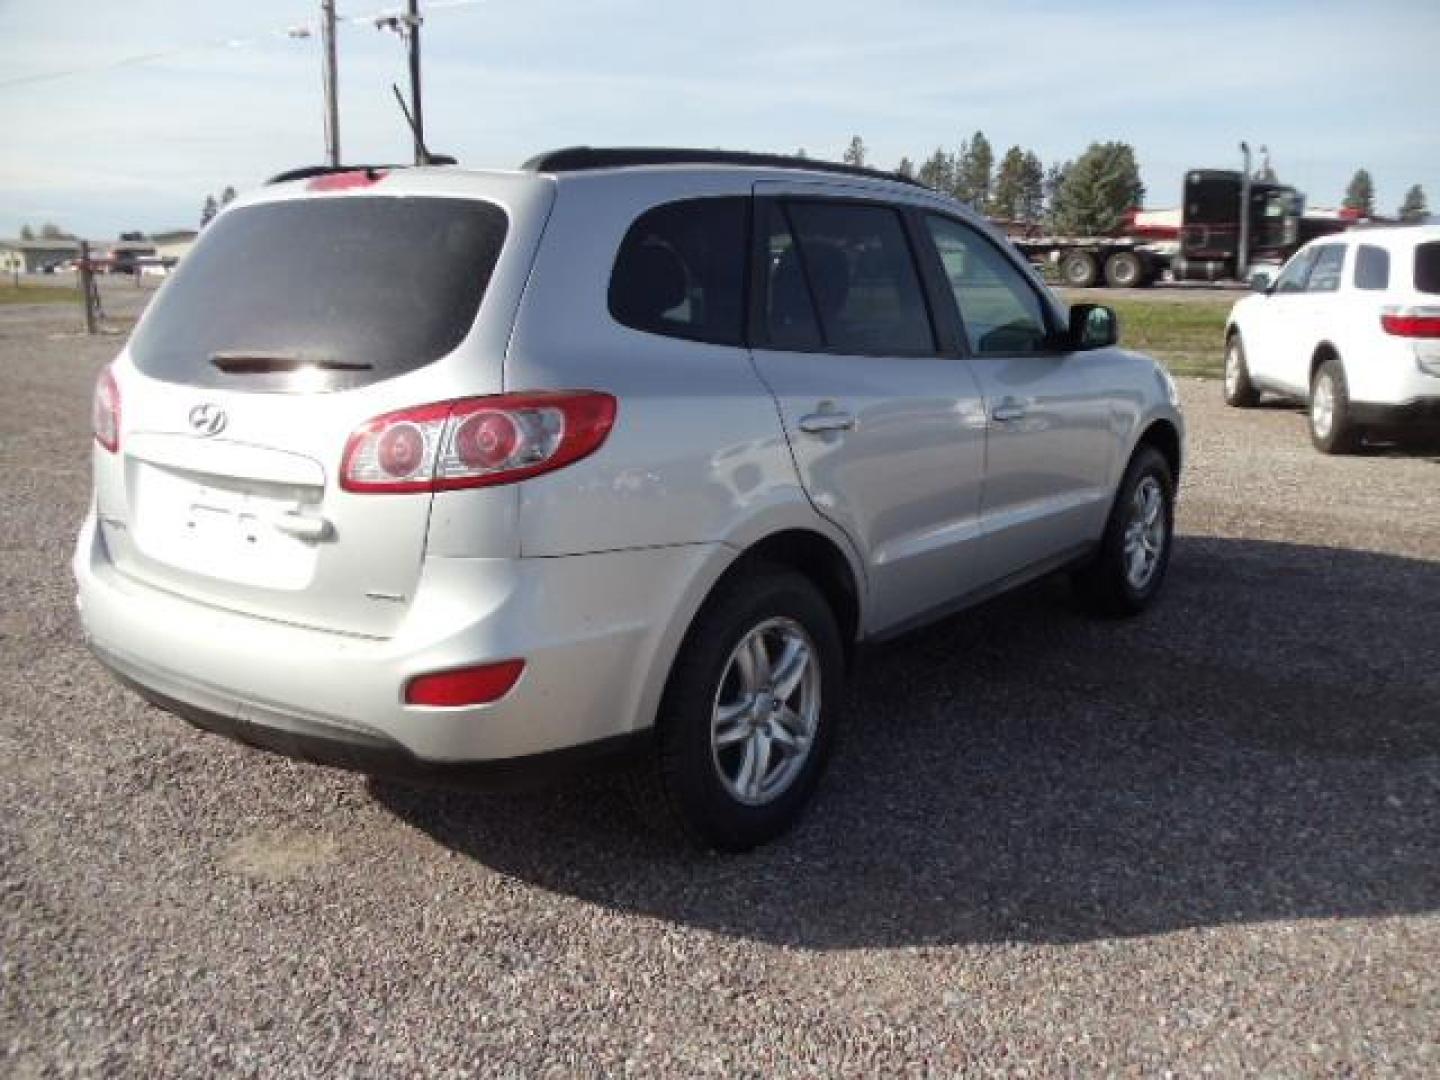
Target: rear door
{"points": [[1049, 414], [886, 424], [290, 325]]}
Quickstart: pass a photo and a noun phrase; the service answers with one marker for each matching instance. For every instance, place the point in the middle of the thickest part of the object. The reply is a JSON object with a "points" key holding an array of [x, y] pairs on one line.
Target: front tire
{"points": [[1331, 428], [1126, 573], [748, 716], [1240, 392]]}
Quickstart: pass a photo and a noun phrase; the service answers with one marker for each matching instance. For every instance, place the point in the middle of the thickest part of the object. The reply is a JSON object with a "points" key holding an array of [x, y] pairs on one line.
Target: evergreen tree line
{"points": [[1085, 196], [1360, 196]]}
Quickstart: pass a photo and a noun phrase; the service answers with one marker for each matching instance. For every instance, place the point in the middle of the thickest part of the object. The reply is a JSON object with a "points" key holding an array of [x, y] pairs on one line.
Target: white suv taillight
{"points": [[476, 442], [1411, 322], [105, 411]]}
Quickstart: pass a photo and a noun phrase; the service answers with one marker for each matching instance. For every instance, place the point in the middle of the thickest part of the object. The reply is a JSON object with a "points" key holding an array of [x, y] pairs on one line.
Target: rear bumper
{"points": [[1417, 414], [596, 632]]}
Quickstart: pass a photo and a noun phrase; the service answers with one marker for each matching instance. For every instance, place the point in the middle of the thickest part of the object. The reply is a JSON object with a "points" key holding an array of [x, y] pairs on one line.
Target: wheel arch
{"points": [[1324, 351], [1164, 436]]}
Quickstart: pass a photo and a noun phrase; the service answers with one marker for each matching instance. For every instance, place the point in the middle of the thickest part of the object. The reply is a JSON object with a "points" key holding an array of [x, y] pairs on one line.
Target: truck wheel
{"points": [[748, 716], [1079, 270], [1331, 429], [1124, 270], [1240, 392]]}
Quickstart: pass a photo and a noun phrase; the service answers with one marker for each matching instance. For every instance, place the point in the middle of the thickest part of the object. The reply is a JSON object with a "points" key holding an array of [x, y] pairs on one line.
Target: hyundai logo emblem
{"points": [[208, 419]]}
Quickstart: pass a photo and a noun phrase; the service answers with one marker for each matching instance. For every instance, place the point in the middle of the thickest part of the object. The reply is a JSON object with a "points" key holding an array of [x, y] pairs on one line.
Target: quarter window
{"points": [[1427, 267], [1372, 267], [680, 271], [860, 277], [1325, 274], [1000, 309]]}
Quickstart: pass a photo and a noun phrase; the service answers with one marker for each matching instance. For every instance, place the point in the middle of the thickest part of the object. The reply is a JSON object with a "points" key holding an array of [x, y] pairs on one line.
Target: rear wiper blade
{"points": [[253, 362]]}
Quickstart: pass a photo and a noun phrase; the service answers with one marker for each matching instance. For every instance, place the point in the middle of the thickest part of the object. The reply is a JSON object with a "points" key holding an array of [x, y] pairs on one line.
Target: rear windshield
{"points": [[1427, 267], [322, 294]]}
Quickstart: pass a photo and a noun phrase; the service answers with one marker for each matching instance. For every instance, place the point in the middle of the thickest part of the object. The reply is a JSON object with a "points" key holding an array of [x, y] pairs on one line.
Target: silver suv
{"points": [[458, 474]]}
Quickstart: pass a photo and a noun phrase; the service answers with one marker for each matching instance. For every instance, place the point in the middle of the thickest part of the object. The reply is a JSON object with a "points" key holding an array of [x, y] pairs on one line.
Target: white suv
{"points": [[1352, 326], [455, 473]]}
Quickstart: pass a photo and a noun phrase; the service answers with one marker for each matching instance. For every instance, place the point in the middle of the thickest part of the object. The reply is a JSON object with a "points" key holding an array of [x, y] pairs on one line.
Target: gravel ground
{"points": [[1204, 841]]}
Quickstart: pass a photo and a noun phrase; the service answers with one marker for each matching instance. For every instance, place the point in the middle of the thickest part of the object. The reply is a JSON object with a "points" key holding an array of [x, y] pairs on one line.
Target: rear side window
{"points": [[680, 271], [1372, 267], [1325, 275], [343, 291], [861, 278], [1427, 267]]}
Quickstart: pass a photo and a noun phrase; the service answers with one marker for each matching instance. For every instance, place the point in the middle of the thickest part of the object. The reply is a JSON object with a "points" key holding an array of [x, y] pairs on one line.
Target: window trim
{"points": [[1047, 309], [758, 334], [746, 268]]}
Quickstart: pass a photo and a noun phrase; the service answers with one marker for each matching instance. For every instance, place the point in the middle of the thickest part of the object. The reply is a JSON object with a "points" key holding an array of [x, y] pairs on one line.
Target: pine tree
{"points": [[1360, 194], [227, 196], [855, 152], [210, 210], [938, 172], [906, 168], [1054, 181], [1007, 200], [27, 233], [973, 172], [1097, 190], [801, 153], [1032, 189], [1414, 208]]}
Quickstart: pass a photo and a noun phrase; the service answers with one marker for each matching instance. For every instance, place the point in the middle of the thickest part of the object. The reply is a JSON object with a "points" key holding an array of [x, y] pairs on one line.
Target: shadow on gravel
{"points": [[1264, 745]]}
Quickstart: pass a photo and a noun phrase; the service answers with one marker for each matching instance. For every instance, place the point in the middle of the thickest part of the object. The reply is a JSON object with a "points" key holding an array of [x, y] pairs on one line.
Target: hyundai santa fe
{"points": [[460, 474], [1351, 327]]}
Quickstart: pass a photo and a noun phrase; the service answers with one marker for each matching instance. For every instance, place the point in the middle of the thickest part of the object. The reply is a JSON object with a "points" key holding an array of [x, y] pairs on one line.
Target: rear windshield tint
{"points": [[351, 290], [1427, 267]]}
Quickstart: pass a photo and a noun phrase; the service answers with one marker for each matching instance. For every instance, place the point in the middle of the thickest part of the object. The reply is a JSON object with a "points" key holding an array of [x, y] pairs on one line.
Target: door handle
{"points": [[1009, 409], [817, 423]]}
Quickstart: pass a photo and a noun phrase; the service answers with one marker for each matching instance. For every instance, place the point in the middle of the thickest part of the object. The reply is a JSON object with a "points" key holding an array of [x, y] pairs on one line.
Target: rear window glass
{"points": [[1372, 267], [1427, 267], [680, 271], [358, 288]]}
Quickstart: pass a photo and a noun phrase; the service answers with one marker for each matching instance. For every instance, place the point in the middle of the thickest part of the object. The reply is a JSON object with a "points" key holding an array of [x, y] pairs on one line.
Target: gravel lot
{"points": [[1208, 840]]}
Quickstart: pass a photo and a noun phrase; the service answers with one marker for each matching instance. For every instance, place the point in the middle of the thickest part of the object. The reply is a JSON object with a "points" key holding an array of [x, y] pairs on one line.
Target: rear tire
{"points": [[743, 740], [1240, 392], [1331, 428], [1126, 573], [1079, 270], [1125, 270]]}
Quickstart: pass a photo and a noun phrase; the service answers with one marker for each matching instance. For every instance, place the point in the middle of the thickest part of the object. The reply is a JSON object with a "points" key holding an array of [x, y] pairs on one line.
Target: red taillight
{"points": [[105, 411], [1411, 322], [464, 686], [477, 442]]}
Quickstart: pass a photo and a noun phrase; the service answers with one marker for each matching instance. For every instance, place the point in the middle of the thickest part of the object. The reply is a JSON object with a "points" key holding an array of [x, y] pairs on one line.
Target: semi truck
{"points": [[1206, 239]]}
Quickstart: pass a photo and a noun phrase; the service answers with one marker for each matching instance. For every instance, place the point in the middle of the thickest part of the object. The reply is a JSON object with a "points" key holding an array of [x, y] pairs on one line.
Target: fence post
{"points": [[88, 292]]}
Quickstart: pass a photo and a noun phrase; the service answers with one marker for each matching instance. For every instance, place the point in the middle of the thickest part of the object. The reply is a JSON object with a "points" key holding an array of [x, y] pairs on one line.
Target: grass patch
{"points": [[11, 293], [1187, 336]]}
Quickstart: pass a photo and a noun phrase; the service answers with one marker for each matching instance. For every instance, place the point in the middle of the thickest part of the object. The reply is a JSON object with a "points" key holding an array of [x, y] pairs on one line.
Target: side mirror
{"points": [[1093, 326]]}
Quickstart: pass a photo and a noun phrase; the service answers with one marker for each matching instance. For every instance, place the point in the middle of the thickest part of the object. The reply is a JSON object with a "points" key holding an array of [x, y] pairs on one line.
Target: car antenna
{"points": [[427, 157]]}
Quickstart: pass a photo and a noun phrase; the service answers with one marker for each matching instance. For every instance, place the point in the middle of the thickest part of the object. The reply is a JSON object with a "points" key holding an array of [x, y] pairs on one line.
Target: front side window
{"points": [[680, 271], [860, 277], [1000, 309], [1372, 267], [1325, 274], [1292, 278]]}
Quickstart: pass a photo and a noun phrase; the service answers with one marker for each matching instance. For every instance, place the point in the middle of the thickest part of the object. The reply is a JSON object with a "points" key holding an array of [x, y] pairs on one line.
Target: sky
{"points": [[100, 141]]}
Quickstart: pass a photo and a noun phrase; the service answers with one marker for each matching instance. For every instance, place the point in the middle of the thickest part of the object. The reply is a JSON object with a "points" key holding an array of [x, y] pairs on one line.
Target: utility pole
{"points": [[1242, 251], [332, 107], [419, 118]]}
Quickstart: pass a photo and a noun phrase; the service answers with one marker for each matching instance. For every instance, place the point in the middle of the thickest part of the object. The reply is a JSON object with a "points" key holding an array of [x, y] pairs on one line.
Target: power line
{"points": [[302, 31]]}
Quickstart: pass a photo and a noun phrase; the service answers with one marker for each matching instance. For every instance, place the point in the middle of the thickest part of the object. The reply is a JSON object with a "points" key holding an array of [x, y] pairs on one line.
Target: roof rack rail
{"points": [[583, 158], [305, 172]]}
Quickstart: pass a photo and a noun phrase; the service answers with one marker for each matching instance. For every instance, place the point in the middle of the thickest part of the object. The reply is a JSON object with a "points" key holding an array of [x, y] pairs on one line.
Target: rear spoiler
{"points": [[305, 172]]}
